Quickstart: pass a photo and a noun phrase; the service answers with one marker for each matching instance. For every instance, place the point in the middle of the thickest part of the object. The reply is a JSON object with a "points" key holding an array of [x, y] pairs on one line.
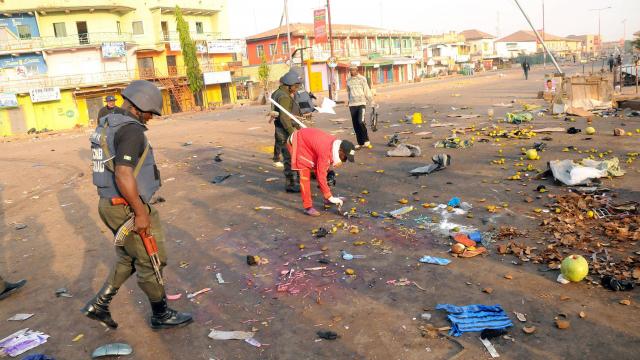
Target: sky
{"points": [[497, 17]]}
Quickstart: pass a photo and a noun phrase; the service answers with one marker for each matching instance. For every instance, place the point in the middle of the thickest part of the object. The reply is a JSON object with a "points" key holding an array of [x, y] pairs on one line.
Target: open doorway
{"points": [[83, 33]]}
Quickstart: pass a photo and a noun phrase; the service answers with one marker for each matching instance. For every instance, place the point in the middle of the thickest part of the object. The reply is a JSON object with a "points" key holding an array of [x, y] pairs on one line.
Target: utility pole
{"points": [[286, 15], [331, 69], [624, 34], [599, 33], [544, 57], [553, 59]]}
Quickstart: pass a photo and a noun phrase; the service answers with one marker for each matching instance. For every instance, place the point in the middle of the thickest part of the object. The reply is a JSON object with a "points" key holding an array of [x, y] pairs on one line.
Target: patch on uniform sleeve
{"points": [[127, 157]]}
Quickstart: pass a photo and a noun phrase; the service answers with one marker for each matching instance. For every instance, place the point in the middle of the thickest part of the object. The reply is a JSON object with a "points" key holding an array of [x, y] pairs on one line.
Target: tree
{"points": [[188, 46], [636, 42], [263, 75]]}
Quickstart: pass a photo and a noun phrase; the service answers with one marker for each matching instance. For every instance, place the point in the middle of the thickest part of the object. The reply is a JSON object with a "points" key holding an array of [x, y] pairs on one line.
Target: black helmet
{"points": [[291, 78], [144, 95]]}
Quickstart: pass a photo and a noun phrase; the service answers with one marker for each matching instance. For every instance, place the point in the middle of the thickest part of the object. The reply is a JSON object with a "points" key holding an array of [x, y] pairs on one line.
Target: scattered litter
{"points": [[327, 106], [272, 179], [314, 253], [220, 279], [572, 130], [405, 150], [78, 338], [440, 161], [425, 316], [423, 133], [264, 208], [570, 173], [19, 226], [625, 302], [21, 341], [115, 349], [434, 260], [327, 335], [37, 357], [20, 317], [453, 143], [217, 158], [518, 118], [63, 292], [254, 128], [492, 333], [254, 342], [529, 329], [402, 211], [611, 283], [549, 130], [230, 335], [477, 317], [562, 280], [492, 351], [346, 256], [174, 297], [220, 178], [520, 316], [464, 116], [188, 143], [193, 295]]}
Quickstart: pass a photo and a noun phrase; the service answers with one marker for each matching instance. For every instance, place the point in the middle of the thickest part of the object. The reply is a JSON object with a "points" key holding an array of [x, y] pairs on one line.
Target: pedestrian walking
{"points": [[284, 125], [109, 108], [126, 176], [315, 150], [7, 288], [359, 95], [526, 67]]}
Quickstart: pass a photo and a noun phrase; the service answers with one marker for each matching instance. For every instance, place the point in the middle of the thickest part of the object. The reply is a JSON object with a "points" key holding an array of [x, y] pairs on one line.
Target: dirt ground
{"points": [[46, 184]]}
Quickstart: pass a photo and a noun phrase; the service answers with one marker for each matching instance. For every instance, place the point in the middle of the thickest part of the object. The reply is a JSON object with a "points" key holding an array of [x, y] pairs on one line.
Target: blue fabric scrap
{"points": [[477, 317], [38, 357]]}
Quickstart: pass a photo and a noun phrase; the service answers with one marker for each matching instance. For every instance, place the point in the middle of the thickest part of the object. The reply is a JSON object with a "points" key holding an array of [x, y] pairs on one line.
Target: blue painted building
{"points": [[21, 26]]}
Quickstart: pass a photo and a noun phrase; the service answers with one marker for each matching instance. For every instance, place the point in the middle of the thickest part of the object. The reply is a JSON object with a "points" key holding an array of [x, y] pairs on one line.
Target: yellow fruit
{"points": [[558, 211], [365, 192], [374, 214], [349, 272], [590, 130], [590, 214], [532, 154], [403, 201], [301, 246]]}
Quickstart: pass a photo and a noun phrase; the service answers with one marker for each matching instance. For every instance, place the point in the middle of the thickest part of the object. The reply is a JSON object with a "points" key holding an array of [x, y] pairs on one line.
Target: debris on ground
{"points": [[440, 161], [63, 292], [230, 335], [20, 317], [405, 150], [21, 341], [115, 349], [434, 260], [327, 335], [474, 318], [199, 292], [220, 178], [570, 173], [453, 143]]}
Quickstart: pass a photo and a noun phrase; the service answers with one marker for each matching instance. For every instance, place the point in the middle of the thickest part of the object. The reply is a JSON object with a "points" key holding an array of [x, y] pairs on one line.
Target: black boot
{"points": [[98, 307], [291, 186], [11, 288], [165, 317]]}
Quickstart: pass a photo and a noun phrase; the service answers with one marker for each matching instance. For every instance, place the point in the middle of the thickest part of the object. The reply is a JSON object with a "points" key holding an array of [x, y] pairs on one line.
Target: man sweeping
{"points": [[314, 150]]}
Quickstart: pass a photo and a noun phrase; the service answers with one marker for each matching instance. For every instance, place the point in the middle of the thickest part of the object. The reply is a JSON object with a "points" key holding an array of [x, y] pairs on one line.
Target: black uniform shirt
{"points": [[129, 143], [106, 111]]}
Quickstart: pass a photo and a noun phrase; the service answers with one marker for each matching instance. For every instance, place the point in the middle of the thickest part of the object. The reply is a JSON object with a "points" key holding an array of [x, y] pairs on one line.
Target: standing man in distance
{"points": [[359, 95], [110, 108], [526, 67], [285, 126], [126, 175]]}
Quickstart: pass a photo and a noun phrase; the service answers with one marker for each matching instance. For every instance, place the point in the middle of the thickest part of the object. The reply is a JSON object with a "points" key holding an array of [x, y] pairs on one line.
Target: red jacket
{"points": [[312, 149]]}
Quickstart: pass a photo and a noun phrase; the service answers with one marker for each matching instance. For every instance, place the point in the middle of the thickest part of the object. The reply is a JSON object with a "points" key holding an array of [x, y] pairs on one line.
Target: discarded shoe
{"points": [[327, 335], [611, 283], [405, 150], [311, 212], [11, 288]]}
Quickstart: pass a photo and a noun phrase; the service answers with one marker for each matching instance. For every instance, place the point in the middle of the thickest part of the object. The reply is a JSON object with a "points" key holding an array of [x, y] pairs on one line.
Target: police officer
{"points": [[284, 125], [125, 173], [7, 288], [110, 108]]}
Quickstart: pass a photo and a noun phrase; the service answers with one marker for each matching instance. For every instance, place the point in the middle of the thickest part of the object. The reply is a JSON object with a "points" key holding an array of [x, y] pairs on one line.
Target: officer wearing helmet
{"points": [[284, 125], [126, 175]]}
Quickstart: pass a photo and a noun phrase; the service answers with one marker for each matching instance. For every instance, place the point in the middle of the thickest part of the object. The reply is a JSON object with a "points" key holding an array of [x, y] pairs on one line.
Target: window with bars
{"points": [[260, 51], [199, 27], [272, 49]]}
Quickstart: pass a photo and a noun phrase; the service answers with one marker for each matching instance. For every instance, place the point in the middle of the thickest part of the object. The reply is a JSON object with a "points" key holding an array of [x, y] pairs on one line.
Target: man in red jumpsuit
{"points": [[314, 149]]}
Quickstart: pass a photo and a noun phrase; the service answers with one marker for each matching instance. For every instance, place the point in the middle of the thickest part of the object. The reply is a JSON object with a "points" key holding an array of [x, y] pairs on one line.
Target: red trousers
{"points": [[305, 188]]}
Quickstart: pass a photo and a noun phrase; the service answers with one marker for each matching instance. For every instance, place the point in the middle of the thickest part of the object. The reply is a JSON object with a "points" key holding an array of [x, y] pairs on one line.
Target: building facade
{"points": [[589, 44], [526, 43], [481, 43], [78, 51], [384, 56]]}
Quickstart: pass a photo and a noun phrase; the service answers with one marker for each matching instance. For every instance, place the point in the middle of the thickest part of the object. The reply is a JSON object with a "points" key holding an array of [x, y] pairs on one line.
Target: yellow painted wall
{"points": [[83, 112], [5, 125], [97, 22]]}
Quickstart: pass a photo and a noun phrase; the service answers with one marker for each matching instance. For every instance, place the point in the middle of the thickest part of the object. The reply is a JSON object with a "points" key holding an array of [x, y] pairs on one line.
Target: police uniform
{"points": [[119, 140], [284, 127]]}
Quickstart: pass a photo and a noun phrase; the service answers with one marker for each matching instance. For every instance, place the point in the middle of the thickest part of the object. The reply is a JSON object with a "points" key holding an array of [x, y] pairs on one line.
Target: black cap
{"points": [[349, 149], [110, 98]]}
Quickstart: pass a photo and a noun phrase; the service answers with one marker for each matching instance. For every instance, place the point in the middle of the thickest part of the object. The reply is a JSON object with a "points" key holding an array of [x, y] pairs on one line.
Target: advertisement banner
{"points": [[175, 46], [225, 46], [8, 100], [320, 26], [217, 77], [113, 50], [44, 94]]}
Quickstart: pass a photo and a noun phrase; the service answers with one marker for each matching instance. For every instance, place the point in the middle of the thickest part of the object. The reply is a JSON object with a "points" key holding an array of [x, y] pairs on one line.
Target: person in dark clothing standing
{"points": [[284, 125], [611, 63], [619, 60], [110, 108], [526, 67]]}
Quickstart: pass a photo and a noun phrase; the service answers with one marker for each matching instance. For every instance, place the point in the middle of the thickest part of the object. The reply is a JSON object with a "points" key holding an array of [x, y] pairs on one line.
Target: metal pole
{"points": [[544, 58], [553, 59], [331, 69], [288, 113], [286, 15], [637, 77]]}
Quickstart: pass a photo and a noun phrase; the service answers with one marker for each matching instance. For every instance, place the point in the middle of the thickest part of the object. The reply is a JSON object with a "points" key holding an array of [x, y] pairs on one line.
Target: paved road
{"points": [[46, 184]]}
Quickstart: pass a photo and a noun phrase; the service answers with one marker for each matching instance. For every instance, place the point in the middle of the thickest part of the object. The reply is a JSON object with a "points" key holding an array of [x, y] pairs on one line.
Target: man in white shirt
{"points": [[359, 95]]}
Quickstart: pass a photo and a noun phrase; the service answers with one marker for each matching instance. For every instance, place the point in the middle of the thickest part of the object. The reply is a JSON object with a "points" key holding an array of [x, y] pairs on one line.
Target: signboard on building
{"points": [[113, 49], [320, 26], [8, 100], [22, 66], [175, 46], [201, 47], [225, 46], [217, 77], [44, 94], [332, 62]]}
